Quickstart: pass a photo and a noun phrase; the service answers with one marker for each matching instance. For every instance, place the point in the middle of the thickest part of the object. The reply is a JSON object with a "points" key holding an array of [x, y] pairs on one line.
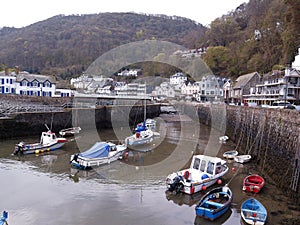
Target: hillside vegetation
{"points": [[258, 36], [67, 45]]}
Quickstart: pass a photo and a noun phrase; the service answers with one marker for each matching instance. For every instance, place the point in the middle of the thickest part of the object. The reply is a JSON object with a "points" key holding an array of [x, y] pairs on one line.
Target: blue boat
{"points": [[214, 203], [100, 153], [4, 218], [253, 212]]}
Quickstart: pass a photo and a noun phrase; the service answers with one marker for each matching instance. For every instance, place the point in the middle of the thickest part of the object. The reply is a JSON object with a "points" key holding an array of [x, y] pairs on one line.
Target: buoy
{"points": [[186, 174], [219, 181], [203, 188], [37, 152], [233, 169], [126, 154]]}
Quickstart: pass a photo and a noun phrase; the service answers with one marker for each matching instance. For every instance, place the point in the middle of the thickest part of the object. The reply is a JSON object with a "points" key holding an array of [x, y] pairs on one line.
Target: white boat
{"points": [[223, 139], [139, 138], [142, 136], [48, 142], [148, 124], [230, 154], [69, 131], [204, 171], [242, 158], [100, 153]]}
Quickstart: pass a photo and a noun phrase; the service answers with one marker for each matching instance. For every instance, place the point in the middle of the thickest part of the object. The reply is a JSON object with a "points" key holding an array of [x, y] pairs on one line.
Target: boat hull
{"points": [[230, 154], [197, 178], [253, 183], [85, 163], [253, 212], [214, 203], [37, 149], [242, 158]]}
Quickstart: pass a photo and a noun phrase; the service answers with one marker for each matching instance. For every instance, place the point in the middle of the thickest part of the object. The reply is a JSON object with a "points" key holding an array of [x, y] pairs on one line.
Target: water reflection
{"points": [[38, 188]]}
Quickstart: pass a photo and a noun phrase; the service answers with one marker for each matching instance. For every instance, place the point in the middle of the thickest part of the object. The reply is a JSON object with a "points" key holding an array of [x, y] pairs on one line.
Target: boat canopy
{"points": [[98, 150]]}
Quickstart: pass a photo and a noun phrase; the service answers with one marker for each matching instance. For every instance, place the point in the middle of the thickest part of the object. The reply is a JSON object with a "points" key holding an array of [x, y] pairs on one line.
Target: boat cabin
{"points": [[47, 138], [206, 164]]}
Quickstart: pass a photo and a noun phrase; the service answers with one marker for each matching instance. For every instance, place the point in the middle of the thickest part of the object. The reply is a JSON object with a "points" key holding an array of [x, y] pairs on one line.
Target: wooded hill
{"points": [[258, 36], [67, 45]]}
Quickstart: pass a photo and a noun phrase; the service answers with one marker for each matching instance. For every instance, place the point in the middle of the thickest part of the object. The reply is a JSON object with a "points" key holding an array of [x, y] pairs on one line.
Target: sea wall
{"points": [[33, 123], [270, 136]]}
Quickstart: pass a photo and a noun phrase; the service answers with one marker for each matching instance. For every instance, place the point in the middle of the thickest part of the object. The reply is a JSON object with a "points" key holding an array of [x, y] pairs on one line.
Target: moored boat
{"points": [[214, 203], [253, 183], [139, 138], [253, 212], [100, 153], [242, 158], [69, 131], [4, 217], [230, 154], [204, 171], [48, 142]]}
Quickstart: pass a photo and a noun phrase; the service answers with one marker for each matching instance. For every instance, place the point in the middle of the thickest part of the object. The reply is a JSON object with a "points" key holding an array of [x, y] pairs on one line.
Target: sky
{"points": [[21, 13]]}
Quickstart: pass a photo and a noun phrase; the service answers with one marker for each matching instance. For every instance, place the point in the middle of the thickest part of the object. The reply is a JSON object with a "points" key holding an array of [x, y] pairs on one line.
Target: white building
{"points": [[190, 89], [7, 83], [131, 89], [165, 90], [131, 72], [24, 83], [211, 88], [296, 63], [178, 79]]}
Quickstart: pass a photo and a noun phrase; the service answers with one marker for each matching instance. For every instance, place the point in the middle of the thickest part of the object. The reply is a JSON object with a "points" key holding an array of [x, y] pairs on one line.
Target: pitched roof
{"points": [[31, 77], [241, 81]]}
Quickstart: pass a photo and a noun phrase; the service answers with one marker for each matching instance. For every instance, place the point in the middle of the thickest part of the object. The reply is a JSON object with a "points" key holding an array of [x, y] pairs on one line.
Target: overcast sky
{"points": [[20, 13]]}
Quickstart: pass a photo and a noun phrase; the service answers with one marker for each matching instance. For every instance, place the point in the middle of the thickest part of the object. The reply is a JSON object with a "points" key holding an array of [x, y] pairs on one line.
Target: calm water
{"points": [[44, 189]]}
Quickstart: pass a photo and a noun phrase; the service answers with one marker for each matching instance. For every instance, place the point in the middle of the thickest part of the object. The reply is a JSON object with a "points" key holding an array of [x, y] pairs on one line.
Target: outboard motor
{"points": [[177, 185], [19, 148]]}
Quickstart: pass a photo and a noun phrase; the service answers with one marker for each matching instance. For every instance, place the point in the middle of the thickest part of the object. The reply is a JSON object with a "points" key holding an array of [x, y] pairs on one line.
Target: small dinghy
{"points": [[214, 203], [230, 154], [242, 158], [253, 212], [253, 183], [69, 131]]}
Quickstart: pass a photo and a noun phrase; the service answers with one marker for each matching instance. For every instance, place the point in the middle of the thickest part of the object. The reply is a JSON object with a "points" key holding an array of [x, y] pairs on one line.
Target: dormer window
{"points": [[24, 83], [35, 84]]}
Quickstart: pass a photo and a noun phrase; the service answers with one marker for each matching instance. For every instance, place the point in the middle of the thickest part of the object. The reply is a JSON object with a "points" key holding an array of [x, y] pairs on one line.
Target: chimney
{"points": [[17, 70], [6, 71]]}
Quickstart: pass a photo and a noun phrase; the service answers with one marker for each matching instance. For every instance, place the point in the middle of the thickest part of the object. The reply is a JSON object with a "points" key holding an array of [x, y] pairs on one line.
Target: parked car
{"points": [[281, 105]]}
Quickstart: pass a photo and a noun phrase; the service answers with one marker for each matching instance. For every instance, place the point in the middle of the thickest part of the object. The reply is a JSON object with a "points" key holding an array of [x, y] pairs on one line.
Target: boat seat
{"points": [[216, 204]]}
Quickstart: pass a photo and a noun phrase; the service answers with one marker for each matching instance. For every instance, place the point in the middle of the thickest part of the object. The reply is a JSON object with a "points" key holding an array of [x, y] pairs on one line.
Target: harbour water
{"points": [[45, 189]]}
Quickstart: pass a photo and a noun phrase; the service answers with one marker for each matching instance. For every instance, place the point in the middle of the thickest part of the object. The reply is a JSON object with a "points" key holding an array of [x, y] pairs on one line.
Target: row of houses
{"points": [[24, 83]]}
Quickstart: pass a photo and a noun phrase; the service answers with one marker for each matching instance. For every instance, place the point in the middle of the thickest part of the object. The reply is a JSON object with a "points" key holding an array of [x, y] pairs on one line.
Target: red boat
{"points": [[253, 183]]}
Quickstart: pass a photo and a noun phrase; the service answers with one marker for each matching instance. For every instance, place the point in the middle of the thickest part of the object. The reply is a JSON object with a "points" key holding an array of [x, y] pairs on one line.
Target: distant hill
{"points": [[66, 45]]}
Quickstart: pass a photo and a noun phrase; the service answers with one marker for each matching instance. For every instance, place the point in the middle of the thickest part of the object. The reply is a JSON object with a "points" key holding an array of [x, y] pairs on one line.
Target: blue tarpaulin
{"points": [[98, 150]]}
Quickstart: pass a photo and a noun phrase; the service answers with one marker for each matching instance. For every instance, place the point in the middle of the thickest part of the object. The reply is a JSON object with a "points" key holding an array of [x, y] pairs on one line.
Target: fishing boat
{"points": [[230, 154], [214, 203], [4, 218], [204, 171], [100, 153], [69, 131], [253, 183], [48, 142], [242, 158], [253, 212], [223, 139]]}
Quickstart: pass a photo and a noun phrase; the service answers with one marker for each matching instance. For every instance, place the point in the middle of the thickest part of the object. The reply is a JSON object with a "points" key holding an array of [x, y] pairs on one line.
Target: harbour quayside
{"points": [[100, 153], [48, 142], [204, 171]]}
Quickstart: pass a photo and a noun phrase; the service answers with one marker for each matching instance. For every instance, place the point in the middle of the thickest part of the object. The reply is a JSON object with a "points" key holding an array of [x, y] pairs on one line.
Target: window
{"points": [[35, 84], [210, 167], [196, 164], [203, 165]]}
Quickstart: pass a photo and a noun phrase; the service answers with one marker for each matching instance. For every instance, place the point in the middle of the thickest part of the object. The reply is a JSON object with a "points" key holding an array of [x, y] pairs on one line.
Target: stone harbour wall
{"points": [[270, 136], [33, 123]]}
